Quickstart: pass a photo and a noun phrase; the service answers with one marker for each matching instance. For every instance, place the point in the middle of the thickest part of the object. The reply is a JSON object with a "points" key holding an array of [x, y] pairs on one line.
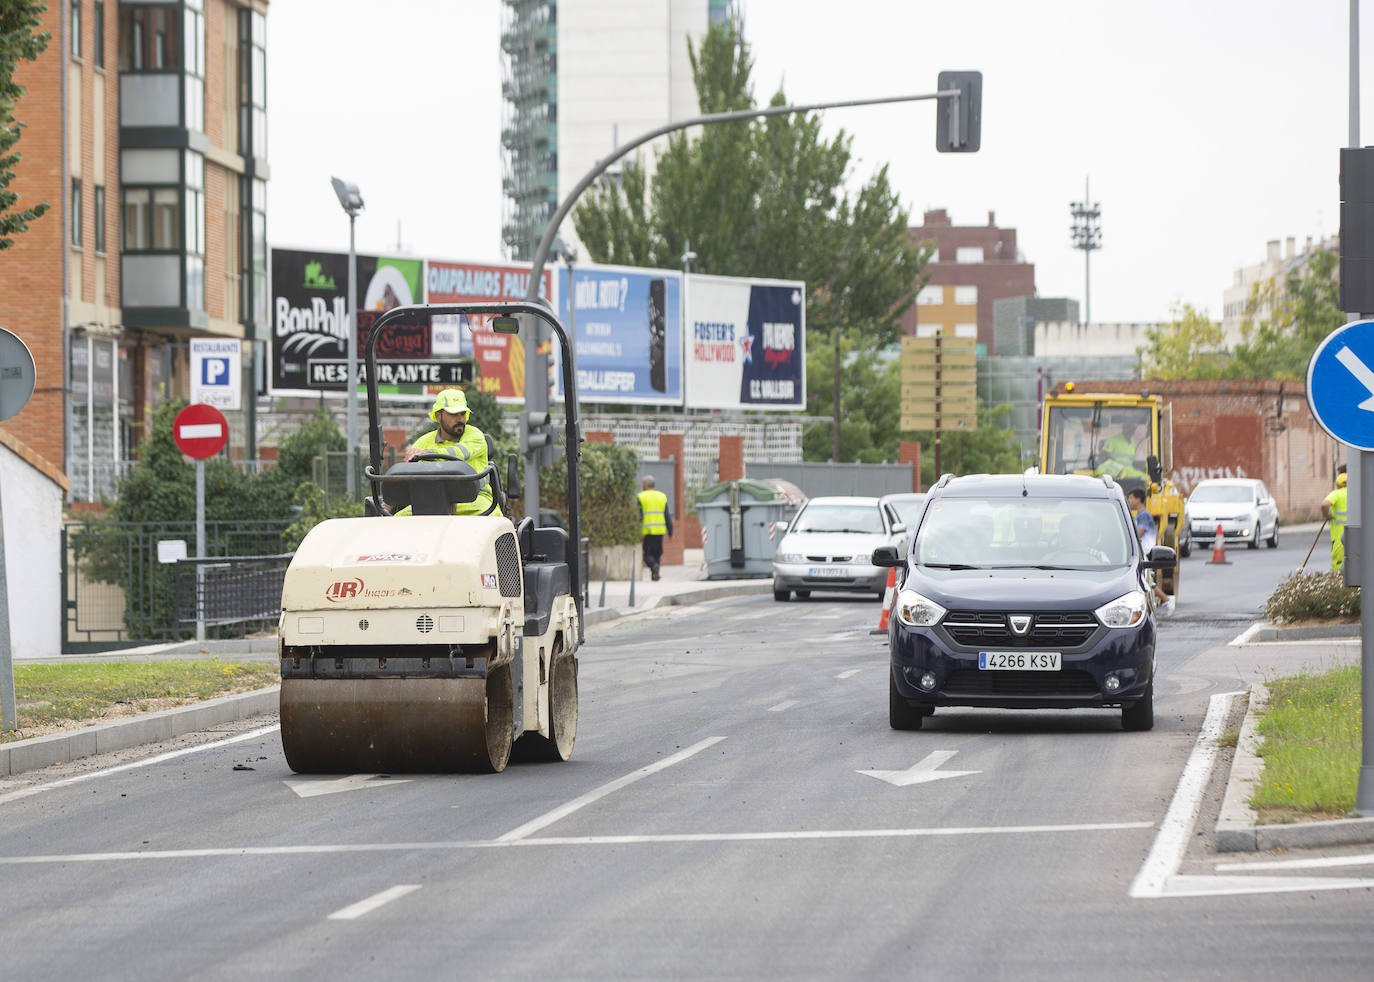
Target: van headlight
{"points": [[915, 610], [1127, 610]]}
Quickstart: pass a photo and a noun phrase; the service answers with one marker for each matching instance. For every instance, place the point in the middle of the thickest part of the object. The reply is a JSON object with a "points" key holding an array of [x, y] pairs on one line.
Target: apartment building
{"points": [[973, 266], [146, 127], [1280, 259]]}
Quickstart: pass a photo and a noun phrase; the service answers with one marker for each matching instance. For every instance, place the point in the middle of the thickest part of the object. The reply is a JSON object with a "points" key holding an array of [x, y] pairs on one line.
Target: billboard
{"points": [[746, 343], [500, 357], [310, 313], [626, 327]]}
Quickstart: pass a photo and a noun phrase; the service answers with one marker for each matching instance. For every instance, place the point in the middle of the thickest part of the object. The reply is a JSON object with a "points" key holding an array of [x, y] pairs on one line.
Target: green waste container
{"points": [[739, 527]]}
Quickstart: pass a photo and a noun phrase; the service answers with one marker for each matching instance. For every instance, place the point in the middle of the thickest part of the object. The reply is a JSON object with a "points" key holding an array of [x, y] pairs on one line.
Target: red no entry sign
{"points": [[200, 431]]}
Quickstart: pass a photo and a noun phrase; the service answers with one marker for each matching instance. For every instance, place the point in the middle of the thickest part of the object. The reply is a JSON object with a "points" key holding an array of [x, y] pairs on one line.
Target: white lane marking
{"points": [[921, 771], [849, 674], [588, 840], [1167, 852], [1159, 876], [1246, 636], [563, 811], [1326, 862], [782, 706], [171, 755], [310, 787], [354, 911]]}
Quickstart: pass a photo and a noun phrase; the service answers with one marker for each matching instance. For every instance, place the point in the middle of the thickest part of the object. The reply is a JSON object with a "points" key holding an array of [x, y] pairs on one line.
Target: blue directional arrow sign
{"points": [[1340, 384]]}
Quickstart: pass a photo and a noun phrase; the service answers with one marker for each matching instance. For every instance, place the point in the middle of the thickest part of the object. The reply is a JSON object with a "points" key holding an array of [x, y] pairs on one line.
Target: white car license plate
{"points": [[1019, 661], [833, 571]]}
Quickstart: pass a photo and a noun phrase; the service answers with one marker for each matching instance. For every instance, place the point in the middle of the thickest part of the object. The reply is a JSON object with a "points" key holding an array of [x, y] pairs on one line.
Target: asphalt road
{"points": [[718, 820]]}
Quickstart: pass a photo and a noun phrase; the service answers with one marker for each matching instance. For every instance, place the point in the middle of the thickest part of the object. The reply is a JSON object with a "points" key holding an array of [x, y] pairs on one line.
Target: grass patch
{"points": [[51, 697], [1229, 739], [1311, 747]]}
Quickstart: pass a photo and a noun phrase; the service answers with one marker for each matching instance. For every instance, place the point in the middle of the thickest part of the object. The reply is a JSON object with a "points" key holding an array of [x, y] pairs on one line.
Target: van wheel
{"points": [[781, 596], [1141, 716], [901, 715]]}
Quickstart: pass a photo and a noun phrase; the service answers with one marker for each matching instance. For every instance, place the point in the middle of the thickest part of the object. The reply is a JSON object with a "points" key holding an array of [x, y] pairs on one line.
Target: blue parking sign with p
{"points": [[1340, 384], [214, 371]]}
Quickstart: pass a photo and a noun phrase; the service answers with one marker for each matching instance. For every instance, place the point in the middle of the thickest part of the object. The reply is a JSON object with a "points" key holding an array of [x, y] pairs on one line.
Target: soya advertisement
{"points": [[500, 357], [746, 343], [626, 326], [310, 313]]}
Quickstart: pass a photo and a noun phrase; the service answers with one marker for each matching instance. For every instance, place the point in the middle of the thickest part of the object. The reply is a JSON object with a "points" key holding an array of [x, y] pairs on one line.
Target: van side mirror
{"points": [[886, 556], [1161, 557]]}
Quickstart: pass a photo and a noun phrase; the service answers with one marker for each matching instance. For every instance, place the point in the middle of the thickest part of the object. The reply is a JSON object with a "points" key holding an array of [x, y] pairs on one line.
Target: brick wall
{"points": [[31, 270], [671, 446]]}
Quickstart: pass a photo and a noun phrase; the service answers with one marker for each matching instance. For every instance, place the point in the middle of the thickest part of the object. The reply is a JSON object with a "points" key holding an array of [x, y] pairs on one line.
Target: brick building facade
{"points": [[973, 266], [145, 131]]}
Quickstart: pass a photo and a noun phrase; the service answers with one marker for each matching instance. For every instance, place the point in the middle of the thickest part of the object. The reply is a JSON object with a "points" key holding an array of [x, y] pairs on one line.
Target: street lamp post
{"points": [[964, 138], [351, 199], [1087, 235]]}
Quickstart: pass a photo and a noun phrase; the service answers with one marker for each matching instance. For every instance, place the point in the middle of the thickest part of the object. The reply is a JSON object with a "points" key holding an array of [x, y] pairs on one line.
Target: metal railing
{"points": [[238, 592]]}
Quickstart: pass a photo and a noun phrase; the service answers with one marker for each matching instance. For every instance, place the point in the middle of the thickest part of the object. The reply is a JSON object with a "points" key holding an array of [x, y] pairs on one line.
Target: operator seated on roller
{"points": [[456, 436]]}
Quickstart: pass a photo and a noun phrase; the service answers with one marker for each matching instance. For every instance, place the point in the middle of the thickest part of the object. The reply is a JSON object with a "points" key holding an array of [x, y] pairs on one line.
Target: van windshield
{"points": [[1024, 532]]}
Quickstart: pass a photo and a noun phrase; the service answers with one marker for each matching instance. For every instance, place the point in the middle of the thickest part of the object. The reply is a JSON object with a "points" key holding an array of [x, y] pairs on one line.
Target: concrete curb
{"points": [[1236, 828], [61, 748], [1313, 632]]}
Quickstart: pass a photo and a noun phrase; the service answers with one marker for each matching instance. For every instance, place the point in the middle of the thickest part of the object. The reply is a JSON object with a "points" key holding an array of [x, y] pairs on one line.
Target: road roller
{"points": [[431, 641]]}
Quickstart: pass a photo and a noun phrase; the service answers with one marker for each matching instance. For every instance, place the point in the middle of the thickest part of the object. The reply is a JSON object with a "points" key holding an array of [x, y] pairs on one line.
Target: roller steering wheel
{"points": [[445, 455]]}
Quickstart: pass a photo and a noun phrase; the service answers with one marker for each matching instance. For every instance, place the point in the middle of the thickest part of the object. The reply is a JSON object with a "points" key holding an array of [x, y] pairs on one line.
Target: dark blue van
{"points": [[1024, 591]]}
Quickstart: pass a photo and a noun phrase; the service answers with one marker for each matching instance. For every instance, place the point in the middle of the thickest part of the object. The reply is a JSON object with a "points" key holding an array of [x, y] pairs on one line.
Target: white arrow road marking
{"points": [[310, 787], [1361, 372], [354, 911], [848, 674], [921, 772]]}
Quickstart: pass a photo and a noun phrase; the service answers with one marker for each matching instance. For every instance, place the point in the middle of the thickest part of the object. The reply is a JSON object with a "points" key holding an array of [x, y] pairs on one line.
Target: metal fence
{"points": [[115, 591], [230, 596], [818, 479]]}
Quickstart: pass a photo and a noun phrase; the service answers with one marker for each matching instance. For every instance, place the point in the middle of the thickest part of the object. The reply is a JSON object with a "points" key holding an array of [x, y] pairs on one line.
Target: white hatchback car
{"points": [[1242, 507], [829, 546]]}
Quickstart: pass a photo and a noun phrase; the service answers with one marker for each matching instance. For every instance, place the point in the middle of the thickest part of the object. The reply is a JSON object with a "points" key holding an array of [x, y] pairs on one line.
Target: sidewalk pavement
{"points": [[681, 585]]}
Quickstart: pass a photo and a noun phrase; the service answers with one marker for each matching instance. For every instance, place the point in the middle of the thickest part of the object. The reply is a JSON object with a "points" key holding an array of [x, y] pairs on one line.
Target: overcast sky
{"points": [[1205, 128]]}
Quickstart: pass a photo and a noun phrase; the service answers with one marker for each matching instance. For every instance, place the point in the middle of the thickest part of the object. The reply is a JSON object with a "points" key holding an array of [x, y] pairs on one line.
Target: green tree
{"points": [[988, 449], [767, 198], [1190, 346], [1301, 311], [20, 40]]}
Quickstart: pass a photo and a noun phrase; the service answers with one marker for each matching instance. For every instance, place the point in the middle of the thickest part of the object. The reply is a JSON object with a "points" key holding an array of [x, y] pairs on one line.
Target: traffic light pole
{"points": [[959, 129]]}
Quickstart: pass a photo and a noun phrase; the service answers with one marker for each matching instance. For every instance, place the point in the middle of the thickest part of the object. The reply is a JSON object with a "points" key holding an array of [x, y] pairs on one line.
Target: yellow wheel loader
{"points": [[1130, 438], [430, 641]]}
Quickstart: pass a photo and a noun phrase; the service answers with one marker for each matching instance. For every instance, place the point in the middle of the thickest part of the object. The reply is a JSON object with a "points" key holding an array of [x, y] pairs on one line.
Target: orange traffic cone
{"points": [[1219, 548], [889, 596]]}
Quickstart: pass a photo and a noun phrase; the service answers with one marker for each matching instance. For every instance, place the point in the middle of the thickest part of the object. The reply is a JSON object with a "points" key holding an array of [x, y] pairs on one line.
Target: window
{"points": [[968, 254], [98, 24], [965, 330], [152, 219], [76, 28], [99, 211], [930, 296], [149, 39], [76, 212], [252, 84], [965, 294]]}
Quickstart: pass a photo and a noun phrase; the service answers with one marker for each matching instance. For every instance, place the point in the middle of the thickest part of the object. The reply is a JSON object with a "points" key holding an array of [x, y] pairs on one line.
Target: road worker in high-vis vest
{"points": [[657, 522], [1333, 510], [456, 436]]}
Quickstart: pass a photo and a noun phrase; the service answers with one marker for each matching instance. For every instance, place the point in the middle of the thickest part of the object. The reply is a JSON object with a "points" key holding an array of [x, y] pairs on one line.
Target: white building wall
{"points": [[1067, 338], [32, 507], [622, 70], [1279, 258]]}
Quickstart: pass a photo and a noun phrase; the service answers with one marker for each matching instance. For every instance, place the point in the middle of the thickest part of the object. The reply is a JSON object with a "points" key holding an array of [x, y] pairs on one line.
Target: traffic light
{"points": [[534, 431], [959, 121]]}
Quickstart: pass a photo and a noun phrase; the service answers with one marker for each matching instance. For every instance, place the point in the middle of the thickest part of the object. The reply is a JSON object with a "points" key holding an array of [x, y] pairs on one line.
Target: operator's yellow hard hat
{"points": [[450, 401], [1340, 480]]}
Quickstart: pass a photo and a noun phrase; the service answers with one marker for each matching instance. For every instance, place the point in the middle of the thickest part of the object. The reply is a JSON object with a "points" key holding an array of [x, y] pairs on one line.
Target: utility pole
{"points": [[1087, 235]]}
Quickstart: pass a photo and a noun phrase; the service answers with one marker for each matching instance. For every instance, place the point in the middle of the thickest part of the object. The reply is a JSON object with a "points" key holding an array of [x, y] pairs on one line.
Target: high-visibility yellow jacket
{"points": [[654, 505], [472, 447]]}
